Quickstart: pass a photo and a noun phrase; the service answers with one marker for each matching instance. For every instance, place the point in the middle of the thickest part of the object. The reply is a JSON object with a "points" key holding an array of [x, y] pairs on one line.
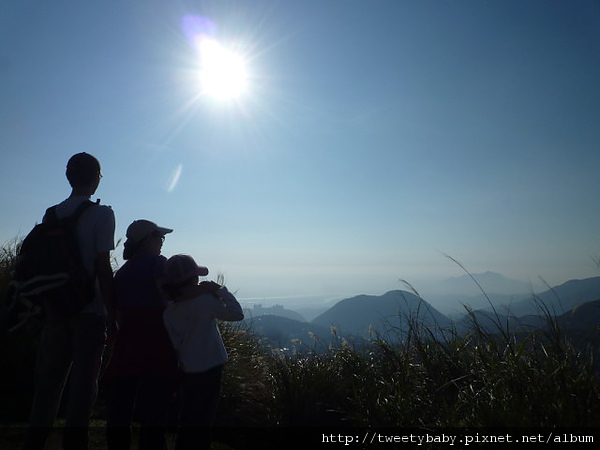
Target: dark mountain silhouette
{"points": [[559, 299], [584, 317], [497, 323], [364, 314], [580, 327], [527, 314]]}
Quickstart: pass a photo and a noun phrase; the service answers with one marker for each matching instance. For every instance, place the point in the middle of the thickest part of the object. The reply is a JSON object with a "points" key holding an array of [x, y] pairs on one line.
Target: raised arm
{"points": [[227, 308]]}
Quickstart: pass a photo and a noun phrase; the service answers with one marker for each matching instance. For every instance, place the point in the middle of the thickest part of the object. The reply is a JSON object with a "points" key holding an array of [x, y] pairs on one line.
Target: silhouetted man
{"points": [[75, 344]]}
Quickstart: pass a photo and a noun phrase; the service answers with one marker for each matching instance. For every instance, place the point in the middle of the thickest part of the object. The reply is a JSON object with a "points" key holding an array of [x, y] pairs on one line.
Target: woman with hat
{"points": [[191, 320], [142, 373]]}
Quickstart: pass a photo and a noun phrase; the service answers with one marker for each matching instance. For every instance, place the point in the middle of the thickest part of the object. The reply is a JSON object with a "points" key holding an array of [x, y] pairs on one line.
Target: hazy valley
{"points": [[575, 305]]}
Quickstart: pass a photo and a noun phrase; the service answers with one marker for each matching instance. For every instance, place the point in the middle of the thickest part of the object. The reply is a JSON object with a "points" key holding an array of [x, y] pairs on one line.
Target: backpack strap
{"points": [[51, 215], [80, 209]]}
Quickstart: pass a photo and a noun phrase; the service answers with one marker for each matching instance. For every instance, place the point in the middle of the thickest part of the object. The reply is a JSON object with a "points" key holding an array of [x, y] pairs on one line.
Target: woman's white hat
{"points": [[142, 228]]}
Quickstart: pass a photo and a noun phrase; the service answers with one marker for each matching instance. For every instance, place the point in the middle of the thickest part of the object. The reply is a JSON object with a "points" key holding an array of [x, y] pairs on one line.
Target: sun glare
{"points": [[222, 71]]}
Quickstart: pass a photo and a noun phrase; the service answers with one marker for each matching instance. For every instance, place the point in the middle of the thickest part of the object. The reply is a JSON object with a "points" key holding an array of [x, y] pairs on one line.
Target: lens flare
{"points": [[175, 178]]}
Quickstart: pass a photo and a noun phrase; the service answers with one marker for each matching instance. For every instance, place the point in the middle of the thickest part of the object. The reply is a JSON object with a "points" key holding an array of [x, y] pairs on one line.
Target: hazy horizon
{"points": [[446, 294]]}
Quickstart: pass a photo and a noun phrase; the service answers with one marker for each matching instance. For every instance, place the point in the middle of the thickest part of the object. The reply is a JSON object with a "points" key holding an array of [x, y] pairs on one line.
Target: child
{"points": [[191, 321]]}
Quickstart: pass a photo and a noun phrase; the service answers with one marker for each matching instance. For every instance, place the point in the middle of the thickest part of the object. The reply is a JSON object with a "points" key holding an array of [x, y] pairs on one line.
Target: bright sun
{"points": [[222, 72]]}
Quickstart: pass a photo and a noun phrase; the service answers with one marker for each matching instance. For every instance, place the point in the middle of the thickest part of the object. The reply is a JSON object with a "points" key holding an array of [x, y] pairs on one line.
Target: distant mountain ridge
{"points": [[560, 299], [575, 304], [531, 312], [490, 282], [556, 300], [510, 297]]}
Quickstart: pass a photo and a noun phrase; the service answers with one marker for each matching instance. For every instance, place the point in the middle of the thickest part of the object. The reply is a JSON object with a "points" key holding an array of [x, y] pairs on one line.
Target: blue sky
{"points": [[374, 136]]}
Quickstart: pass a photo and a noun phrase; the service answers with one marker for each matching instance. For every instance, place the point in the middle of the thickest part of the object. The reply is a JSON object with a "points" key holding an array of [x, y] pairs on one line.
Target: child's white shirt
{"points": [[192, 325]]}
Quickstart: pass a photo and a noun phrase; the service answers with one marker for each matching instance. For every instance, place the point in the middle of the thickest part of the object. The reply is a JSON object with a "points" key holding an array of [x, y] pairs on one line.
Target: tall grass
{"points": [[478, 380], [17, 350], [482, 378]]}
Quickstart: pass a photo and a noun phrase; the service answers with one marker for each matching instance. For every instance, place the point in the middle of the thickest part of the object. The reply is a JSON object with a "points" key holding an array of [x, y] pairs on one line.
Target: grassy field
{"points": [[479, 379]]}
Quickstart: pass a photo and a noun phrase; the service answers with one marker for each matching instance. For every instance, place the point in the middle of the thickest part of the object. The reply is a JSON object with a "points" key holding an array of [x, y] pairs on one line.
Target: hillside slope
{"points": [[365, 314]]}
